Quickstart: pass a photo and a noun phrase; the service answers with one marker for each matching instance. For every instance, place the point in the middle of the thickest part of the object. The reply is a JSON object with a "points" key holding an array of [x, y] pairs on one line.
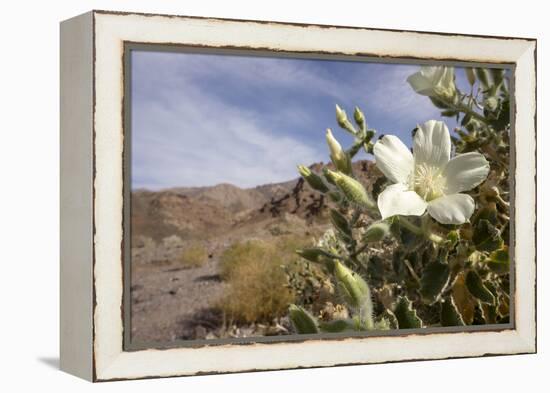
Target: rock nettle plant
{"points": [[427, 246]]}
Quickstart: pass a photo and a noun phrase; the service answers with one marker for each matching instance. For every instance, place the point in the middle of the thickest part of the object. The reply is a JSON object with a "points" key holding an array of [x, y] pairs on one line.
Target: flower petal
{"points": [[452, 209], [393, 158], [448, 77], [421, 84], [432, 144], [433, 73], [465, 172], [398, 200]]}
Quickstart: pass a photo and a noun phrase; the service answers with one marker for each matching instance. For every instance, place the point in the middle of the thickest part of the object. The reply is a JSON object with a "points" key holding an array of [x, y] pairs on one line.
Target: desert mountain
{"points": [[202, 212]]}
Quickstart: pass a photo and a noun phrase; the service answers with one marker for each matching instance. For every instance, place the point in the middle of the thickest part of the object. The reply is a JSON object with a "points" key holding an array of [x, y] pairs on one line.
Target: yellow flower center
{"points": [[428, 182]]}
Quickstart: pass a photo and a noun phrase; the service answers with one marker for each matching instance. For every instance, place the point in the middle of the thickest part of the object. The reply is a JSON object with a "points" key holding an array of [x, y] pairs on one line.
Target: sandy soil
{"points": [[170, 302]]}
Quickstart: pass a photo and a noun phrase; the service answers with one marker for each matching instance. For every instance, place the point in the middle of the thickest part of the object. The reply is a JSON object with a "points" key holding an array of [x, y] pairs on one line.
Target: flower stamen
{"points": [[428, 182]]}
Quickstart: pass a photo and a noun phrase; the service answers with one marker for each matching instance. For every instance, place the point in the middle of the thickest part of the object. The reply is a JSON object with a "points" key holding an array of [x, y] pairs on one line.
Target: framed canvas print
{"points": [[246, 195]]}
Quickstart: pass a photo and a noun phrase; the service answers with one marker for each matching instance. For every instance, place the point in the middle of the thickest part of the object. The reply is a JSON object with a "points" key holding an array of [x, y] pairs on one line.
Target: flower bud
{"points": [[303, 322], [304, 171], [342, 120], [376, 232], [312, 179], [338, 156], [491, 103], [312, 254], [341, 117], [318, 255], [470, 75], [359, 117], [352, 189], [328, 176], [352, 287], [483, 76], [335, 147], [497, 75]]}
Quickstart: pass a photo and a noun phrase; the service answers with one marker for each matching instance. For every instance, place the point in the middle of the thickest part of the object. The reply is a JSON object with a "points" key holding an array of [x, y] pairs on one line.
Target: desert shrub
{"points": [[310, 285], [193, 255], [240, 253], [258, 283]]}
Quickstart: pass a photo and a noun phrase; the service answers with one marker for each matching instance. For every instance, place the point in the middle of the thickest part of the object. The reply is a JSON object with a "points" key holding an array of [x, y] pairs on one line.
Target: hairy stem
{"points": [[419, 231]]}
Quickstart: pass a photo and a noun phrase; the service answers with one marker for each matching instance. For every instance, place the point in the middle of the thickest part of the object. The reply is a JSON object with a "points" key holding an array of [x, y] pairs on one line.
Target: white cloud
{"points": [[275, 72], [185, 135], [198, 140]]}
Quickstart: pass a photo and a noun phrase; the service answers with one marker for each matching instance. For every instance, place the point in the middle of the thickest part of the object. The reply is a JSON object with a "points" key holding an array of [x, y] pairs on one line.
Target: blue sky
{"points": [[204, 119]]}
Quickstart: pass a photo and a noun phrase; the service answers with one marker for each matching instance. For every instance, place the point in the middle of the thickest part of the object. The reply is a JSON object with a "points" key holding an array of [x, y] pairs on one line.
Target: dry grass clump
{"points": [[258, 291], [193, 255]]}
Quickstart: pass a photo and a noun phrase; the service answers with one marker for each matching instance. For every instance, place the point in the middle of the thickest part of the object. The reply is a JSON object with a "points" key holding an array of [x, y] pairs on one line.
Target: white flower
{"points": [[434, 81], [428, 179]]}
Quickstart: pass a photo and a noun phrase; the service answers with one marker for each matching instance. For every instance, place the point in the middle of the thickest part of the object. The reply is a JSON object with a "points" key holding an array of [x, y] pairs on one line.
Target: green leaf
{"points": [[465, 120], [449, 314], [433, 281], [463, 300], [489, 313], [499, 261], [408, 239], [489, 213], [303, 322], [397, 262], [340, 222], [503, 118], [475, 286], [376, 267], [336, 326], [406, 315], [449, 113], [486, 236], [386, 321]]}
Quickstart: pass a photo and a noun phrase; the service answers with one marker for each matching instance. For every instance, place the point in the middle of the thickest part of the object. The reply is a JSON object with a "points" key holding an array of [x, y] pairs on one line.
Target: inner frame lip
{"points": [[130, 345]]}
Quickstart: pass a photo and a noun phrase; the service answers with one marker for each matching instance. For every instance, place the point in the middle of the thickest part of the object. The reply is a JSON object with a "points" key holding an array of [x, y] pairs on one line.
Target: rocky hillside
{"points": [[204, 212]]}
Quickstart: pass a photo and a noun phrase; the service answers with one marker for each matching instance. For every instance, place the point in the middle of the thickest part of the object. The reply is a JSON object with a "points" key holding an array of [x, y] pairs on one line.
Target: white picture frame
{"points": [[92, 194]]}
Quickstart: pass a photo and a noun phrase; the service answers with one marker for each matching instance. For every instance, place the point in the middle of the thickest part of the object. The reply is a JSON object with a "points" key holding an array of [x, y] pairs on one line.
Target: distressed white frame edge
{"points": [[112, 30], [76, 178]]}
